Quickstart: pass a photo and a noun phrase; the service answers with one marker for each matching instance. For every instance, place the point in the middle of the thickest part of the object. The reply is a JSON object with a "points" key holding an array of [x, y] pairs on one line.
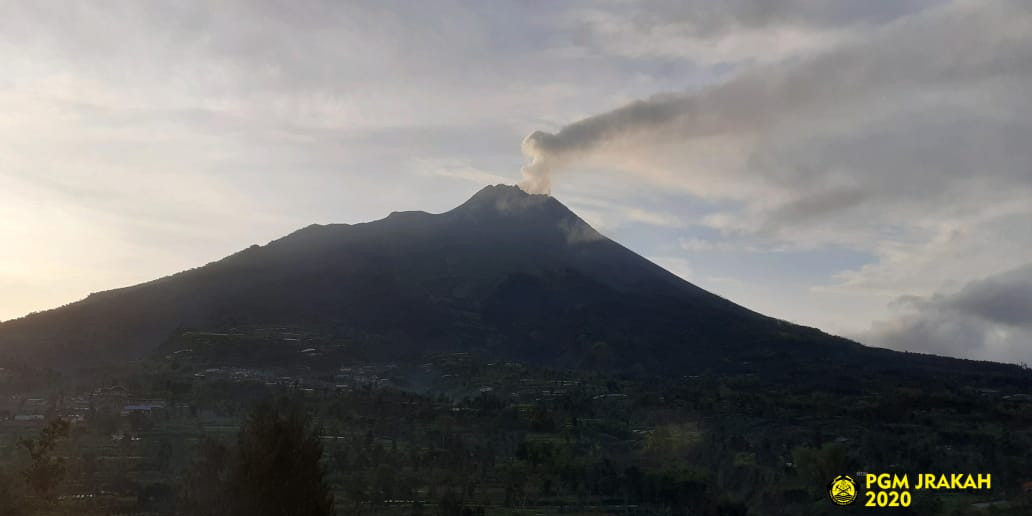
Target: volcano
{"points": [[505, 274]]}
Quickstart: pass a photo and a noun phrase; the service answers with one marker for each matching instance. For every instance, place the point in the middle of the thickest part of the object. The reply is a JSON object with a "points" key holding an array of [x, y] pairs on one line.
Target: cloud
{"points": [[990, 318], [457, 170], [154, 137], [905, 138], [724, 32], [989, 51], [142, 139], [1004, 299], [701, 245]]}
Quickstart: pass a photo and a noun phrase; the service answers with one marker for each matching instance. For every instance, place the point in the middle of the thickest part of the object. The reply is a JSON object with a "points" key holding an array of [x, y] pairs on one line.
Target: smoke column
{"points": [[891, 61]]}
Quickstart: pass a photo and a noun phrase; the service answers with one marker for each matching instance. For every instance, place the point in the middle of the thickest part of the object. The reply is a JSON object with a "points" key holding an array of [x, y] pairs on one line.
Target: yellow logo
{"points": [[842, 490]]}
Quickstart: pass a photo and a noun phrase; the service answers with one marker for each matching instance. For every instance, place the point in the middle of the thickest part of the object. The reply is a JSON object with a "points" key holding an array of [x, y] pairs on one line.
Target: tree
{"points": [[274, 470], [203, 492], [11, 503], [44, 472], [277, 469], [817, 466]]}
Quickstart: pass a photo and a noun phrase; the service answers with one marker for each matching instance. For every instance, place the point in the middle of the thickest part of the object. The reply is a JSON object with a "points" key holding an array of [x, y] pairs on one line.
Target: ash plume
{"points": [[549, 152], [896, 60]]}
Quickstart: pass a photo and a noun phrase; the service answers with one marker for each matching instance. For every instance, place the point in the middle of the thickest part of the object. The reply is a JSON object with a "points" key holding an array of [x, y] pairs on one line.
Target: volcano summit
{"points": [[505, 274]]}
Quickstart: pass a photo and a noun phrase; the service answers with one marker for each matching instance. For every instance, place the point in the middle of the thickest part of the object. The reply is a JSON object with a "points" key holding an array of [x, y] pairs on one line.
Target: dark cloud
{"points": [[990, 318], [1002, 299]]}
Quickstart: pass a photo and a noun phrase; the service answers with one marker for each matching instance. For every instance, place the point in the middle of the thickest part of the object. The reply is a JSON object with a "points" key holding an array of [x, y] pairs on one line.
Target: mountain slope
{"points": [[506, 274]]}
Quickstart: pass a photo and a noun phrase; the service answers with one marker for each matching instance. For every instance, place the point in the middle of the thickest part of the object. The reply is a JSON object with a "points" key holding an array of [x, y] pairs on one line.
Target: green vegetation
{"points": [[453, 434]]}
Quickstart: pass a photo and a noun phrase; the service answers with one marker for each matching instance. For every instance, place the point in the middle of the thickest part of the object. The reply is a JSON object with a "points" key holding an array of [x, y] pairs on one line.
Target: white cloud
{"points": [[458, 170], [606, 213]]}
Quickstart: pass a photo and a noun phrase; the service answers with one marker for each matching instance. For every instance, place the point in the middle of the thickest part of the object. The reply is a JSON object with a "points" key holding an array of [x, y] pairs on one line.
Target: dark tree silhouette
{"points": [[45, 471], [277, 469], [203, 492], [11, 503]]}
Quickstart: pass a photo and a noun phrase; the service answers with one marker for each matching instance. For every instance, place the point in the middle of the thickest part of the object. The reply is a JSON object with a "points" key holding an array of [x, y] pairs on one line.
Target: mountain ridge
{"points": [[505, 273]]}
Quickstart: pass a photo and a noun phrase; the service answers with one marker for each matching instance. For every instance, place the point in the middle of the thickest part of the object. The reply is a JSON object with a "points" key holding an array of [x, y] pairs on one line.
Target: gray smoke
{"points": [[955, 45]]}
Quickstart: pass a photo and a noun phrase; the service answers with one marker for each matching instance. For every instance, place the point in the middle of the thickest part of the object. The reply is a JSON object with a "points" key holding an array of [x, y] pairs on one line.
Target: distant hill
{"points": [[505, 274]]}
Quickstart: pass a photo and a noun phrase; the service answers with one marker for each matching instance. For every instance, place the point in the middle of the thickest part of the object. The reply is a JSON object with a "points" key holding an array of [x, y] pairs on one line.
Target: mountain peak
{"points": [[503, 192], [505, 199], [516, 274]]}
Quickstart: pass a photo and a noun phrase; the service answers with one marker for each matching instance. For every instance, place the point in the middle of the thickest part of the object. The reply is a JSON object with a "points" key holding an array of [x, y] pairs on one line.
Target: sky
{"points": [[862, 167]]}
